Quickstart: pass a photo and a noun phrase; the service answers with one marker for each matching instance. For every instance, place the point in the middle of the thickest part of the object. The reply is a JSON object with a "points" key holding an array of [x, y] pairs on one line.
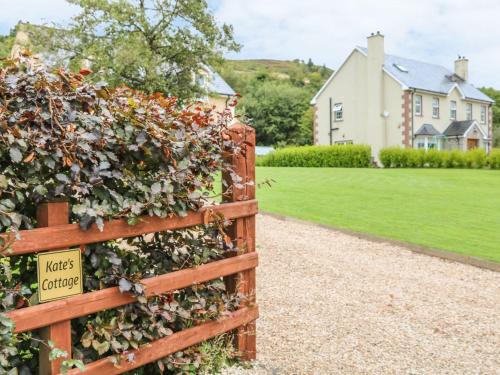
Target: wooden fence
{"points": [[54, 318]]}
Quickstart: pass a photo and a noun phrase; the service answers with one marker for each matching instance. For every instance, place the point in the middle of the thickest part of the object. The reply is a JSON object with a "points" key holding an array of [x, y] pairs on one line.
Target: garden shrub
{"points": [[397, 157], [343, 156], [416, 158], [434, 158], [111, 154], [494, 159], [476, 158]]}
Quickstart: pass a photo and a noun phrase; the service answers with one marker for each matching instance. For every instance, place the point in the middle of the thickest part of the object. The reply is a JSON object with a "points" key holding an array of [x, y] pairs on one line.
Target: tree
{"points": [[151, 45], [275, 110], [305, 133], [495, 95], [6, 42], [310, 64]]}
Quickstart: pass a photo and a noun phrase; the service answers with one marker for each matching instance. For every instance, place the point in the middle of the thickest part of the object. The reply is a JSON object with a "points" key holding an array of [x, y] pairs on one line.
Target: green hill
{"points": [[239, 73], [276, 96]]}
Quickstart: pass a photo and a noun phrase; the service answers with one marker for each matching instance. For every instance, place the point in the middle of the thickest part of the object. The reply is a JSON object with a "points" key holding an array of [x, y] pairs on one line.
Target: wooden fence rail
{"points": [[54, 233]]}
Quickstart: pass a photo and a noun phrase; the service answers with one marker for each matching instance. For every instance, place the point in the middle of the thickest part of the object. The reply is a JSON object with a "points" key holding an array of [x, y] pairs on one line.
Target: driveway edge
{"points": [[419, 249]]}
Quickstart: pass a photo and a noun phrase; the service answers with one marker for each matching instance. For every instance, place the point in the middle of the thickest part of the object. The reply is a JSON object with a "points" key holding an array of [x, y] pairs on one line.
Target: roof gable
{"points": [[461, 128], [427, 129], [216, 84], [325, 85]]}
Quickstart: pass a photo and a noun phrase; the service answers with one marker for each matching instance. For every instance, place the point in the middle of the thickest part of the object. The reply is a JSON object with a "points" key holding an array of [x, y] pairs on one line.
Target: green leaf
{"points": [[100, 347], [40, 189], [156, 188], [4, 183]]}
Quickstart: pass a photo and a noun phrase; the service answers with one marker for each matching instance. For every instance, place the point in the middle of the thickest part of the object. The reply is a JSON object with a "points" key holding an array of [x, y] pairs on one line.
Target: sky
{"points": [[326, 31]]}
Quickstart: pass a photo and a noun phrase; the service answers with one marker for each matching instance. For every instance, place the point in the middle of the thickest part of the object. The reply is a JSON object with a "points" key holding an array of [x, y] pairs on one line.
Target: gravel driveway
{"points": [[332, 303]]}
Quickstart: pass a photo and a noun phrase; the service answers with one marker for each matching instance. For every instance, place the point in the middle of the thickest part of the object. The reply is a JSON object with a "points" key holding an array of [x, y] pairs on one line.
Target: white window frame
{"points": [[468, 111], [338, 112], [418, 105], [435, 107], [484, 111], [453, 110]]}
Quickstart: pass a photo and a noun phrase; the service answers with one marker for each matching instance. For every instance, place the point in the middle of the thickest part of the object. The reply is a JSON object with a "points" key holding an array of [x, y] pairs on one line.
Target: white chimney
{"points": [[462, 68], [376, 48]]}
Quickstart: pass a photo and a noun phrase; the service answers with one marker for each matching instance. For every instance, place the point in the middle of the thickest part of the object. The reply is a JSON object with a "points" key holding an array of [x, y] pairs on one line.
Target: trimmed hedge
{"points": [[494, 159], [338, 156], [396, 157]]}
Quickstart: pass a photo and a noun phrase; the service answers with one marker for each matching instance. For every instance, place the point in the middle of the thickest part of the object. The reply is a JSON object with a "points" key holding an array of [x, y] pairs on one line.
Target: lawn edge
{"points": [[419, 249]]}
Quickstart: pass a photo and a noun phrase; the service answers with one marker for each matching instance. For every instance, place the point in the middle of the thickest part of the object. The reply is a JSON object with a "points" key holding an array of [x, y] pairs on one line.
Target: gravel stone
{"points": [[332, 303]]}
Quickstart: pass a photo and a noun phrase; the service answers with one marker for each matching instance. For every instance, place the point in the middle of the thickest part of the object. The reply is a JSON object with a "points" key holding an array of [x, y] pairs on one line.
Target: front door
{"points": [[472, 143]]}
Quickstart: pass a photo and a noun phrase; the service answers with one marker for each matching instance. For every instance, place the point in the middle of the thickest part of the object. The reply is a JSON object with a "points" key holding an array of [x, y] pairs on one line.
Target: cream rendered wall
{"points": [[476, 113], [444, 119], [393, 105], [440, 123], [348, 87], [375, 92]]}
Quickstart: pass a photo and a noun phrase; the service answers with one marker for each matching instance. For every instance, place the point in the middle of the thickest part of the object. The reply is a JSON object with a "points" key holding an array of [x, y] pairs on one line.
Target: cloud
{"points": [[34, 11], [430, 30]]}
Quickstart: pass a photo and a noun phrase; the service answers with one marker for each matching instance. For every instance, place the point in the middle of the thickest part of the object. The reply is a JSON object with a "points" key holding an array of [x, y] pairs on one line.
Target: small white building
{"points": [[384, 100]]}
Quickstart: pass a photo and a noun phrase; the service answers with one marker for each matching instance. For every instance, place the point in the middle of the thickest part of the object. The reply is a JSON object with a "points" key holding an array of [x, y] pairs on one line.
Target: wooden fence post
{"points": [[242, 230], [48, 215]]}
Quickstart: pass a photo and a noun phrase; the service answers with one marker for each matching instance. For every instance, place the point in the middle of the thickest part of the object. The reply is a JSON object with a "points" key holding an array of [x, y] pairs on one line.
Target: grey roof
{"points": [[428, 77], [458, 128], [216, 83], [427, 129]]}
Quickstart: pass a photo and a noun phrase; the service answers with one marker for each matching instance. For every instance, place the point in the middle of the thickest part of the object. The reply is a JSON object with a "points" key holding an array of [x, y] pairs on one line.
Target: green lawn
{"points": [[455, 210]]}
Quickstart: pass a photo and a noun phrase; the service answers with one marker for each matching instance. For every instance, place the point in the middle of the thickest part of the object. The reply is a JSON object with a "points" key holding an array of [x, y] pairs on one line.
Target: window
{"points": [[468, 111], [418, 105], [483, 114], [435, 107], [427, 143], [401, 68], [338, 112], [453, 110]]}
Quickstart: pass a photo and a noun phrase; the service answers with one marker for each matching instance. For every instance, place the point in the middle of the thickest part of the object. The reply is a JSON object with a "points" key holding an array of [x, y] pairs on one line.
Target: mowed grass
{"points": [[454, 210]]}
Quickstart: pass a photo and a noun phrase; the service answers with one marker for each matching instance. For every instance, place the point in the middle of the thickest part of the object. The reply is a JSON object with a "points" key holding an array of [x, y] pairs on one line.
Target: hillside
{"points": [[275, 97], [239, 73]]}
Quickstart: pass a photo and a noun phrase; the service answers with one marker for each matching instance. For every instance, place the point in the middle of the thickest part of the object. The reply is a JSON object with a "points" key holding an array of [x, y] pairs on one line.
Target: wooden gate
{"points": [[54, 318]]}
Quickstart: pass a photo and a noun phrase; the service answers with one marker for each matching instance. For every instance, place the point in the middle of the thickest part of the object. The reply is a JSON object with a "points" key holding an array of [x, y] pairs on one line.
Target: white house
{"points": [[384, 100]]}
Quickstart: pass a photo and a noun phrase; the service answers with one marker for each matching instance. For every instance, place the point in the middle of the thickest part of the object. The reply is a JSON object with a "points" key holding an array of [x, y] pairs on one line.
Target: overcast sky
{"points": [[429, 30]]}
